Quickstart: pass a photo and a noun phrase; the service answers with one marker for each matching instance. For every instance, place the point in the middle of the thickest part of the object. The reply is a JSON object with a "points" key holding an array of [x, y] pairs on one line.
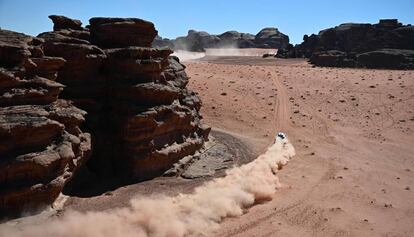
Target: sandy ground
{"points": [[353, 131]]}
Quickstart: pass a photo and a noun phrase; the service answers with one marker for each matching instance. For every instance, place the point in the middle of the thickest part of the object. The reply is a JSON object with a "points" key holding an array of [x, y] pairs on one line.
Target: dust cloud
{"points": [[194, 214], [184, 55]]}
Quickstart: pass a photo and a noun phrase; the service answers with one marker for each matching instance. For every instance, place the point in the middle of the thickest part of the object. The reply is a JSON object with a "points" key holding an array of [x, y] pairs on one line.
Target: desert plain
{"points": [[352, 130], [353, 134]]}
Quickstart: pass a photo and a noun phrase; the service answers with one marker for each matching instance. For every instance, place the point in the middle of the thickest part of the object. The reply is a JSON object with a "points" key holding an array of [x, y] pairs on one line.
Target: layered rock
{"points": [[199, 41], [121, 32], [387, 44], [62, 22], [41, 144], [141, 116]]}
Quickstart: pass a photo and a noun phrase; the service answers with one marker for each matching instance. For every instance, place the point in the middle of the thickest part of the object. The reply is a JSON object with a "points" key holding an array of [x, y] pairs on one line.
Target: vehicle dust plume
{"points": [[185, 55], [184, 215]]}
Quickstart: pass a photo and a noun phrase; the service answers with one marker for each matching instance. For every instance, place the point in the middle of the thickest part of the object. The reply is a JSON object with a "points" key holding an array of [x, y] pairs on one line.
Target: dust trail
{"points": [[185, 55], [184, 215]]}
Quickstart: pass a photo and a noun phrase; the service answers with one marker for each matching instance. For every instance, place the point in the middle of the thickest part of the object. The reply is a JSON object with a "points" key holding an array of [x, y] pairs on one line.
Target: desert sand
{"points": [[353, 133], [352, 129]]}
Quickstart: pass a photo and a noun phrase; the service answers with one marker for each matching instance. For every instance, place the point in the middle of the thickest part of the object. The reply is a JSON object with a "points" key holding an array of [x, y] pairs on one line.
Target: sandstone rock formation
{"points": [[140, 114], [199, 41], [387, 58], [271, 38], [121, 32], [383, 45], [196, 41], [41, 144], [62, 22], [236, 40]]}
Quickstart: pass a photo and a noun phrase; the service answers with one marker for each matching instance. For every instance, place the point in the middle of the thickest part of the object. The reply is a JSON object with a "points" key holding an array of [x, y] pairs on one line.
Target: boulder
{"points": [[387, 58], [121, 32], [330, 58], [15, 48], [63, 22]]}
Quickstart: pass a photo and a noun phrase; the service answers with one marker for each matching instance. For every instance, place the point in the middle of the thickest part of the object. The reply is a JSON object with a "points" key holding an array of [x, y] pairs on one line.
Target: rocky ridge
{"points": [[199, 41], [387, 44]]}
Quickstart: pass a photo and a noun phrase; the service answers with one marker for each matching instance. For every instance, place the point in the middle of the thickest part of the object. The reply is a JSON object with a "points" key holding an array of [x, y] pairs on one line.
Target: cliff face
{"points": [[130, 98], [140, 114], [41, 145], [387, 44]]}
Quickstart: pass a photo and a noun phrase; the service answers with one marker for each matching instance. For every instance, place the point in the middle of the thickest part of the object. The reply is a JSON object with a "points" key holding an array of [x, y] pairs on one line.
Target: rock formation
{"points": [[236, 39], [140, 114], [41, 145], [271, 38], [131, 98], [198, 41], [387, 44]]}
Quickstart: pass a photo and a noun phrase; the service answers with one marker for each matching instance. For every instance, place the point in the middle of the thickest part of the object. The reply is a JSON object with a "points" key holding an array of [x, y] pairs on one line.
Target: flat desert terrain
{"points": [[353, 130]]}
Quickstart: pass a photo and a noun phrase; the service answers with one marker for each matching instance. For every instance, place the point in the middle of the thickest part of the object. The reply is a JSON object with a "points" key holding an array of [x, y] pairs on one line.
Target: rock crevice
{"points": [[41, 144], [74, 90], [140, 114]]}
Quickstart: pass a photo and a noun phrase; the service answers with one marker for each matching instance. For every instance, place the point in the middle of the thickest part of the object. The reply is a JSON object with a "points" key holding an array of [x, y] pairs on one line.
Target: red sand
{"points": [[353, 131]]}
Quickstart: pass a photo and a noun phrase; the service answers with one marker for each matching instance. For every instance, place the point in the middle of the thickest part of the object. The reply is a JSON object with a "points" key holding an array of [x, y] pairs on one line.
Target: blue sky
{"points": [[174, 18]]}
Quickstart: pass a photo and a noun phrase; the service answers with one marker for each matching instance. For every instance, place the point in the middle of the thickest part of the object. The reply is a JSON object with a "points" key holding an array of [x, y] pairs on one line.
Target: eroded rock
{"points": [[383, 45], [135, 96], [41, 144]]}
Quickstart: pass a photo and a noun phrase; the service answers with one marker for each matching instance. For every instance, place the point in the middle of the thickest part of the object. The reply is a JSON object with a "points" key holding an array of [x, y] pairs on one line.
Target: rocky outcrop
{"points": [[387, 58], [271, 38], [234, 39], [41, 144], [199, 41], [196, 41], [160, 42], [62, 23], [121, 32], [140, 114], [382, 45], [131, 98]]}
